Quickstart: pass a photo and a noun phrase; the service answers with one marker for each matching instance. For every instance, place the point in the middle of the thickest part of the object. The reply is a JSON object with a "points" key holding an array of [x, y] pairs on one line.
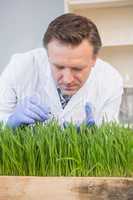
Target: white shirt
{"points": [[29, 74]]}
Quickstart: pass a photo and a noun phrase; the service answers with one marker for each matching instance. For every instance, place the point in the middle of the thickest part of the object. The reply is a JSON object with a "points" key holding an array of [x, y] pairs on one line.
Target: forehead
{"points": [[63, 54]]}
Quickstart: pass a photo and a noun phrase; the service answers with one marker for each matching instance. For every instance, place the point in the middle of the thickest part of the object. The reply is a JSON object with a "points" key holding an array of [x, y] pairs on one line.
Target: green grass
{"points": [[52, 151]]}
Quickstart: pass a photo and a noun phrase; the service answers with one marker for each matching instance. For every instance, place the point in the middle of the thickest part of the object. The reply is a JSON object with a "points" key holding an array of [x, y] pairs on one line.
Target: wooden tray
{"points": [[65, 188]]}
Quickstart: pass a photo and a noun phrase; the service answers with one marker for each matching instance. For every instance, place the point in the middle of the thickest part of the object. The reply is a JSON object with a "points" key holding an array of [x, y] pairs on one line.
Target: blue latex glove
{"points": [[28, 112], [89, 121], [89, 115]]}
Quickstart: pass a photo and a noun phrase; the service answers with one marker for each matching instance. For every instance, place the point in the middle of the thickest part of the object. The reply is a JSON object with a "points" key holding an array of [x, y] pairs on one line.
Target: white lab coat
{"points": [[29, 74]]}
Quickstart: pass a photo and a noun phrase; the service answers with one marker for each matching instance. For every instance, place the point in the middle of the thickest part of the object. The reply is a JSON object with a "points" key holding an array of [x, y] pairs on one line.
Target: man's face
{"points": [[71, 65]]}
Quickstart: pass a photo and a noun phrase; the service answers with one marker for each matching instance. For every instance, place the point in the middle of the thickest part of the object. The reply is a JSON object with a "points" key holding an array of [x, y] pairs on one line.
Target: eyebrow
{"points": [[78, 66]]}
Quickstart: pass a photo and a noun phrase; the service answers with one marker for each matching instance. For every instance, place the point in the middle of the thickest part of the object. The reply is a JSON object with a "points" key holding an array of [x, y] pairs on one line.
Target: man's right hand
{"points": [[28, 112]]}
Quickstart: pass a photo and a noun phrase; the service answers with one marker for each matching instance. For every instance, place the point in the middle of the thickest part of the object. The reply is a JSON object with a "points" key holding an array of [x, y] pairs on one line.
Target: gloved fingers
{"points": [[89, 114], [35, 101], [90, 122], [36, 109], [26, 102], [32, 115], [27, 120], [88, 109]]}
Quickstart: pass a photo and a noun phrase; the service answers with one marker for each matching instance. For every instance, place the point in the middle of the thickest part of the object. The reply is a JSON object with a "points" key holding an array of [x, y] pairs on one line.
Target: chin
{"points": [[69, 92]]}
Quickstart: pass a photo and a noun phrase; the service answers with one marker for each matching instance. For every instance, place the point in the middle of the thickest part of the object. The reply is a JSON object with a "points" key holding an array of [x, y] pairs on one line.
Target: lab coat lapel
{"points": [[51, 92]]}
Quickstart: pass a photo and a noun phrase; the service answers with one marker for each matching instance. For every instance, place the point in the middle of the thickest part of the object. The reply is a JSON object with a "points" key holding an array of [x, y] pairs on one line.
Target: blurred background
{"points": [[23, 23]]}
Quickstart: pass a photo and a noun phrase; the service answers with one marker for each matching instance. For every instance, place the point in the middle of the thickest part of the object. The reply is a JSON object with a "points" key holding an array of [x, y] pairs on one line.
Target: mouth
{"points": [[69, 88]]}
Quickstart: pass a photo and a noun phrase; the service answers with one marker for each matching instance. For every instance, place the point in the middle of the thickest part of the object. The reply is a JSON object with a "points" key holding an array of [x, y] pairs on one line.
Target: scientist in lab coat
{"points": [[64, 80]]}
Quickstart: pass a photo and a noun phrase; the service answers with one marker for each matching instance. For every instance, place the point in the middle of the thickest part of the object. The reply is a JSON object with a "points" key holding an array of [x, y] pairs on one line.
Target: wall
{"points": [[23, 23]]}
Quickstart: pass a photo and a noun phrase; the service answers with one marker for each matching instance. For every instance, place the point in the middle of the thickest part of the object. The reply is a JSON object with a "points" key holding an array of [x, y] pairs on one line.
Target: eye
{"points": [[59, 67], [77, 69]]}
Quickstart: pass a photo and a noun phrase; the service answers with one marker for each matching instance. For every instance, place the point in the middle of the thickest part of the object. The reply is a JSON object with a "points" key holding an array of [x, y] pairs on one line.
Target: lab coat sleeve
{"points": [[19, 79], [7, 91], [110, 109]]}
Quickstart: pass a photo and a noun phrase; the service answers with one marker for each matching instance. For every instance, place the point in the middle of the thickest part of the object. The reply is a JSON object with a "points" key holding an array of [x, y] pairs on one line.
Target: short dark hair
{"points": [[73, 29]]}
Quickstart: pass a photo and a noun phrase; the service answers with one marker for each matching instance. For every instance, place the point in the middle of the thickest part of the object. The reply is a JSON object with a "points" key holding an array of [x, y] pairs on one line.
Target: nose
{"points": [[67, 76]]}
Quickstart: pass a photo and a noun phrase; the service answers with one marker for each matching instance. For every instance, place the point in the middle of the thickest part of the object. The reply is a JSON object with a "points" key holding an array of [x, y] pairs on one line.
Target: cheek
{"points": [[82, 77], [58, 75], [78, 77]]}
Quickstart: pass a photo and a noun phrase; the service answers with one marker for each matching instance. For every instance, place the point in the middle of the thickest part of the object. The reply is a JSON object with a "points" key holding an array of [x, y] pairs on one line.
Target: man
{"points": [[66, 80]]}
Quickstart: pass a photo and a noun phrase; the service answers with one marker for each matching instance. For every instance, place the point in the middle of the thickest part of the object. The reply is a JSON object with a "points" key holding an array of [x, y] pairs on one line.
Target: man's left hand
{"points": [[89, 121]]}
